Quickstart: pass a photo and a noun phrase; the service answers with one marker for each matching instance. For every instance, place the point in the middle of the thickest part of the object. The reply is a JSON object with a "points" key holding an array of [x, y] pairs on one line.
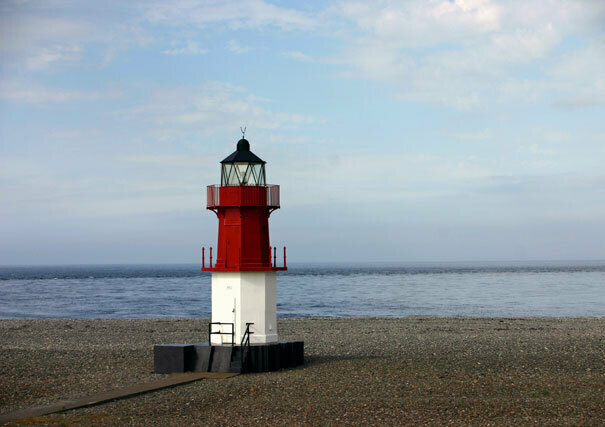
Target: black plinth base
{"points": [[202, 357], [170, 358]]}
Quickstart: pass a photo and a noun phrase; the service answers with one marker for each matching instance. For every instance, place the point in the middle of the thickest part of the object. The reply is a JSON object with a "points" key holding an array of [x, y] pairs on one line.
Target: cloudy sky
{"points": [[398, 131]]}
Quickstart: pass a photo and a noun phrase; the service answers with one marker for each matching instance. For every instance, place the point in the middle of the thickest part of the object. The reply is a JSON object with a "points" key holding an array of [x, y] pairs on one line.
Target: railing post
{"points": [[210, 256], [203, 257], [275, 256], [245, 348], [285, 257]]}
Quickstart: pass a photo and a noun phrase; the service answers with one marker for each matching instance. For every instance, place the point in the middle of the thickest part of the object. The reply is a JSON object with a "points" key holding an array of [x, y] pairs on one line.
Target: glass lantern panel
{"points": [[241, 169], [225, 174], [259, 173], [252, 180], [249, 178], [230, 175]]}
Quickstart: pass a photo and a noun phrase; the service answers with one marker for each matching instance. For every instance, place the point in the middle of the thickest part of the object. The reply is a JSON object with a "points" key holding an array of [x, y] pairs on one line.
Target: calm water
{"points": [[454, 289]]}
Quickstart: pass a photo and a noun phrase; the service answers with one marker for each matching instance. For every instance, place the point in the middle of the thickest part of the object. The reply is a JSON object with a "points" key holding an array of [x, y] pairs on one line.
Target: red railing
{"points": [[273, 196], [272, 263], [244, 195], [213, 196]]}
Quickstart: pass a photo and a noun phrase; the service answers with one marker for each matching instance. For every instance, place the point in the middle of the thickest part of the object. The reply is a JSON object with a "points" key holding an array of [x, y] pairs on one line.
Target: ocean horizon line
{"points": [[319, 263]]}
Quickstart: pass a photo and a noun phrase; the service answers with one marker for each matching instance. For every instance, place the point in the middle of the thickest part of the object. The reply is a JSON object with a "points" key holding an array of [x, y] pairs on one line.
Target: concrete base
{"points": [[203, 357]]}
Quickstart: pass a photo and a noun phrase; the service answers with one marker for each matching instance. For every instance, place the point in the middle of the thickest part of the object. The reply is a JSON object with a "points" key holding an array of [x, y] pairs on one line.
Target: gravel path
{"points": [[379, 371]]}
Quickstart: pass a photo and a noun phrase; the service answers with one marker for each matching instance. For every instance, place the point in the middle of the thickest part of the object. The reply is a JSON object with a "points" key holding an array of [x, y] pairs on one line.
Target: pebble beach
{"points": [[432, 371]]}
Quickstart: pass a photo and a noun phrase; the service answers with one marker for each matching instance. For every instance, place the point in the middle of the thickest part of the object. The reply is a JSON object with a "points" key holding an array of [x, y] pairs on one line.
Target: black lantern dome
{"points": [[243, 145], [243, 167]]}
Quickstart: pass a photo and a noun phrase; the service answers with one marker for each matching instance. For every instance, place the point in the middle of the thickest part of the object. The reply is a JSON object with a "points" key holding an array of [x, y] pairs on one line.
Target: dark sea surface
{"points": [[487, 289]]}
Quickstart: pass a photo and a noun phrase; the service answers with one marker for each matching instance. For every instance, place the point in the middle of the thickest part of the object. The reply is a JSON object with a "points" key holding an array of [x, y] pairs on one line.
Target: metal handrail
{"points": [[270, 199], [210, 333], [245, 347], [272, 262], [204, 257]]}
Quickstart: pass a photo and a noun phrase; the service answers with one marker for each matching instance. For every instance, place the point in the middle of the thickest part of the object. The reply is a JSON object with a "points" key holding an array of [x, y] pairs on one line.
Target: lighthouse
{"points": [[244, 279], [242, 333]]}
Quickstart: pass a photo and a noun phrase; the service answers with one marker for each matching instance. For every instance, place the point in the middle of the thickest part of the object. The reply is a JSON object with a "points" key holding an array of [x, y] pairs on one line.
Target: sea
{"points": [[477, 289]]}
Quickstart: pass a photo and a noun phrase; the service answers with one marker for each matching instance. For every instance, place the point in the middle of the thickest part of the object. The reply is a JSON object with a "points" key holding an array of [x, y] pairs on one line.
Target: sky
{"points": [[399, 131]]}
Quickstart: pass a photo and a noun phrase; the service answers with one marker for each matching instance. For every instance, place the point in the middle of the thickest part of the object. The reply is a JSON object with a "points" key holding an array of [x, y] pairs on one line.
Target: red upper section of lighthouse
{"points": [[243, 204]]}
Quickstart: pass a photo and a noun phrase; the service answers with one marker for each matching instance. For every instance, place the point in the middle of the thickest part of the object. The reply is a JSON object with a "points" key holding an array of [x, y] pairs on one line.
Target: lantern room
{"points": [[243, 167]]}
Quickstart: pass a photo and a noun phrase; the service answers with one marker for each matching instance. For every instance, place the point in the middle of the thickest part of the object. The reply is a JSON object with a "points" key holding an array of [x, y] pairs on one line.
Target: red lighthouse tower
{"points": [[244, 281], [243, 203]]}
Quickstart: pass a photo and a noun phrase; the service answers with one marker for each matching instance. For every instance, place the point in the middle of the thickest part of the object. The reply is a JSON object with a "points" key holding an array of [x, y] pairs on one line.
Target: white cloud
{"points": [[468, 54], [234, 13], [237, 48], [464, 54], [191, 48], [40, 35], [343, 176], [578, 77], [473, 135], [74, 134], [552, 135], [215, 106], [535, 149], [422, 23], [298, 56], [34, 94], [46, 56], [580, 102]]}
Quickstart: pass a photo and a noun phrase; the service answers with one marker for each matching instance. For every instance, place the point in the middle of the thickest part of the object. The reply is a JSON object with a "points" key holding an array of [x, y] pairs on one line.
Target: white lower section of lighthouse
{"points": [[244, 297]]}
